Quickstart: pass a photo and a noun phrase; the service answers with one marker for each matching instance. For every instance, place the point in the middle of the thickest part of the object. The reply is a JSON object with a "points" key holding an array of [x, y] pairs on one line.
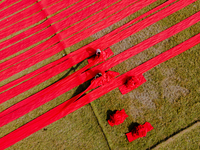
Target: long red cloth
{"points": [[70, 41], [101, 40], [67, 22], [63, 86], [30, 10], [49, 11], [48, 31], [7, 4], [27, 22], [30, 75], [61, 110], [64, 65], [16, 7]]}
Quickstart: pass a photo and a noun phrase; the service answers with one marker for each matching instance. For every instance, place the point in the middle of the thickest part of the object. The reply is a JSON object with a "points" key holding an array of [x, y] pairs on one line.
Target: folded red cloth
{"points": [[139, 131], [117, 118]]}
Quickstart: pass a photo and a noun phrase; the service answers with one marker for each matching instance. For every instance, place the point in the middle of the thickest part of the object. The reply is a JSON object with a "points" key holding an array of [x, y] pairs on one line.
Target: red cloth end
{"points": [[132, 83], [117, 118]]}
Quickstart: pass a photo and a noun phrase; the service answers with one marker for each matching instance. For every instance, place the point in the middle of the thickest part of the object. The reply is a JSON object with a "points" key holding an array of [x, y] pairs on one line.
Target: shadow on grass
{"points": [[132, 126], [81, 88], [110, 112]]}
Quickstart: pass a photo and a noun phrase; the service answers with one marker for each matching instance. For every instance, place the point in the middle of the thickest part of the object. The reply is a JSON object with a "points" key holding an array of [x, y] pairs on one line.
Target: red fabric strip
{"points": [[61, 110], [55, 49], [48, 74], [51, 10], [45, 3], [23, 14], [49, 31], [64, 85], [7, 3], [97, 17], [167, 55], [9, 85], [97, 42], [25, 23], [16, 7]]}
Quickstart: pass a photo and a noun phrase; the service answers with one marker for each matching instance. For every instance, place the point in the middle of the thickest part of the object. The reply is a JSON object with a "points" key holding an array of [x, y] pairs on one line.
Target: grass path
{"points": [[178, 135]]}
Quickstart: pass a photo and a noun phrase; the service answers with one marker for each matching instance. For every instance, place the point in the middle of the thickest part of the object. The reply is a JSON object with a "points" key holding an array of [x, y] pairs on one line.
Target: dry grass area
{"points": [[169, 100]]}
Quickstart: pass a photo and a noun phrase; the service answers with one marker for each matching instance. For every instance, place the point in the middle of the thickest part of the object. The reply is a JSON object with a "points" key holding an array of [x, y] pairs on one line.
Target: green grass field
{"points": [[169, 100]]}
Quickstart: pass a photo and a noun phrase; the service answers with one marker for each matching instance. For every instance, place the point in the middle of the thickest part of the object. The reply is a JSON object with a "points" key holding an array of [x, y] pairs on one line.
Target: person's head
{"points": [[98, 52], [98, 75]]}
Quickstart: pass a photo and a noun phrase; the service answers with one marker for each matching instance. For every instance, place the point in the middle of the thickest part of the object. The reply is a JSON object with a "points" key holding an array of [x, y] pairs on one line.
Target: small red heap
{"points": [[117, 118], [139, 131]]}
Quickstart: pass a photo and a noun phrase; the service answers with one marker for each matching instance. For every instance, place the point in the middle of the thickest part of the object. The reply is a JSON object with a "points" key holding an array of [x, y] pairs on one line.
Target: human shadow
{"points": [[81, 88], [89, 50], [68, 72]]}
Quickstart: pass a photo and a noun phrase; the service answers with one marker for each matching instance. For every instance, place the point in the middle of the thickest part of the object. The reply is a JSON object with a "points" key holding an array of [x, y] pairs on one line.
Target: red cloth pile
{"points": [[139, 131], [132, 83], [117, 118]]}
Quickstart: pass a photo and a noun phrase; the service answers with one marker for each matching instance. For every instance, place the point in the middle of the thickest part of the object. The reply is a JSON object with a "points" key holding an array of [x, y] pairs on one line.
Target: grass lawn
{"points": [[169, 100]]}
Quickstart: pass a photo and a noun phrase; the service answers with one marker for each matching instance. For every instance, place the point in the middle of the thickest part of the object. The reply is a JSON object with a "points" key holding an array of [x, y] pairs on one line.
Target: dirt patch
{"points": [[173, 92], [146, 97], [135, 111]]}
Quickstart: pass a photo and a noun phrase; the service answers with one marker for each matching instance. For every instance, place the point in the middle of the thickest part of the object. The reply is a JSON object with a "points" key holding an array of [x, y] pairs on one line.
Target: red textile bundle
{"points": [[132, 83], [117, 118], [61, 110], [139, 131]]}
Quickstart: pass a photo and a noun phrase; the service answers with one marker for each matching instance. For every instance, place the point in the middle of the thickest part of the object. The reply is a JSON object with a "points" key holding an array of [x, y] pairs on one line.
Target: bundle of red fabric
{"points": [[132, 83], [139, 131], [117, 118]]}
